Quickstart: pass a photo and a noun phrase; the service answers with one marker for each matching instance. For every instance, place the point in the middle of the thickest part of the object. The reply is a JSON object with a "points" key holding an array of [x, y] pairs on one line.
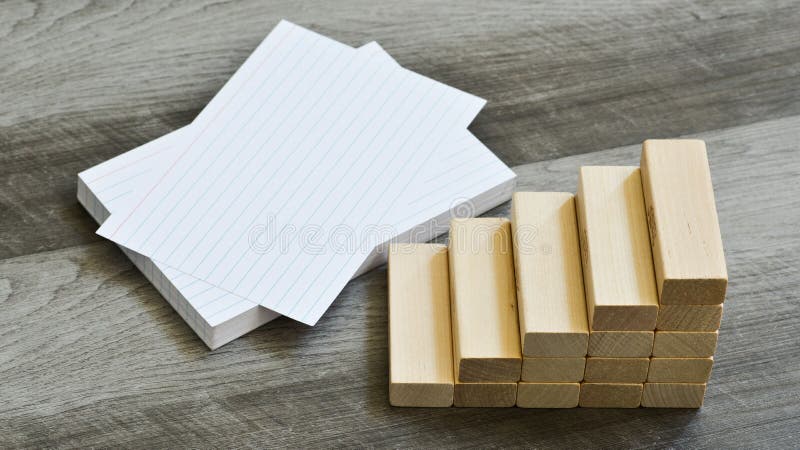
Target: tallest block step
{"points": [[617, 263], [684, 228]]}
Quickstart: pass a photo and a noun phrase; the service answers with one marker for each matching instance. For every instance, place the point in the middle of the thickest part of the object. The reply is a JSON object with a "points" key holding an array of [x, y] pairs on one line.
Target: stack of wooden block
{"points": [[567, 304], [690, 270]]}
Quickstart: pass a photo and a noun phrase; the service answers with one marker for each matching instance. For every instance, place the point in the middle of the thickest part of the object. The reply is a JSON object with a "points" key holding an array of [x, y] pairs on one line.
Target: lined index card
{"points": [[281, 126]]}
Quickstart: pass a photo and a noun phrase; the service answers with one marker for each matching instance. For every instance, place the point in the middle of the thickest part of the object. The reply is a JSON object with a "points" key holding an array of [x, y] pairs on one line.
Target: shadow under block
{"points": [[420, 343], [610, 395], [486, 344], [685, 344], [616, 370], [684, 228], [482, 395], [548, 395], [679, 370], [673, 395], [550, 294], [689, 317], [621, 344], [553, 370], [615, 248]]}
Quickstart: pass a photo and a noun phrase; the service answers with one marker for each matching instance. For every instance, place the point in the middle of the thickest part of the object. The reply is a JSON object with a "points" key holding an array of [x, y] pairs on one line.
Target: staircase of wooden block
{"points": [[611, 298]]}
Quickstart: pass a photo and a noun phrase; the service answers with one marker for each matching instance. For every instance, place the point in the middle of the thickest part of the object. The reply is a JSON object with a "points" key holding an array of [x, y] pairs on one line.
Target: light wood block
{"points": [[548, 395], [621, 344], [559, 370], [615, 247], [483, 301], [550, 294], [420, 343], [610, 395], [616, 370], [673, 395], [689, 317], [687, 244], [679, 370], [485, 394], [685, 344]]}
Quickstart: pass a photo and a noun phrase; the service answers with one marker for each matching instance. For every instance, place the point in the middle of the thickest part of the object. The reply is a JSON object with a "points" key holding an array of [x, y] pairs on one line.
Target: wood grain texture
{"points": [[621, 344], [560, 80], [686, 344], [616, 370], [689, 317], [684, 228], [420, 341], [548, 395], [549, 370], [486, 344], [547, 264], [93, 356], [485, 395], [615, 249], [673, 395], [680, 370], [610, 395]]}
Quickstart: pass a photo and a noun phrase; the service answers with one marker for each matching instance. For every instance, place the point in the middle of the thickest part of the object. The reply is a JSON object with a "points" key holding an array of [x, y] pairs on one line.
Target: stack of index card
{"points": [[293, 180]]}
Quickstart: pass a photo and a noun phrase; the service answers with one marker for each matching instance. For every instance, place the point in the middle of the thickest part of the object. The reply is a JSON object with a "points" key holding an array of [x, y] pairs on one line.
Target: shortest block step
{"points": [[685, 344], [553, 370], [621, 344], [616, 370], [420, 343], [482, 395], [673, 395], [610, 395], [548, 395], [679, 370]]}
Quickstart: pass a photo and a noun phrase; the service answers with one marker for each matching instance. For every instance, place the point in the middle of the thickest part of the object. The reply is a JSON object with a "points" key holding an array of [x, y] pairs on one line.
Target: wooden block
{"points": [[550, 295], [548, 395], [689, 317], [673, 395], [485, 394], [685, 344], [420, 343], [616, 370], [621, 344], [559, 370], [610, 395], [615, 247], [687, 245], [679, 370], [483, 301]]}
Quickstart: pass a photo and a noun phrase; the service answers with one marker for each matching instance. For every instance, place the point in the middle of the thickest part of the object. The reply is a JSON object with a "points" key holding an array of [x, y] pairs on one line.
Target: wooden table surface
{"points": [[91, 355]]}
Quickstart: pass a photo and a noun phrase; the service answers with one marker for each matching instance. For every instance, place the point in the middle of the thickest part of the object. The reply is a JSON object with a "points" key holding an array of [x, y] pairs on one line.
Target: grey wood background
{"points": [[91, 355]]}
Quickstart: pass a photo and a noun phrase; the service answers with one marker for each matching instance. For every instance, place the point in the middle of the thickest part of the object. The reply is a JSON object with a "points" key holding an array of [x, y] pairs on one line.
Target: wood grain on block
{"points": [[420, 342], [689, 317], [485, 394], [621, 344], [615, 247], [673, 395], [684, 229], [560, 370], [610, 395], [679, 370], [548, 395], [550, 294], [685, 344], [484, 305], [616, 370]]}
